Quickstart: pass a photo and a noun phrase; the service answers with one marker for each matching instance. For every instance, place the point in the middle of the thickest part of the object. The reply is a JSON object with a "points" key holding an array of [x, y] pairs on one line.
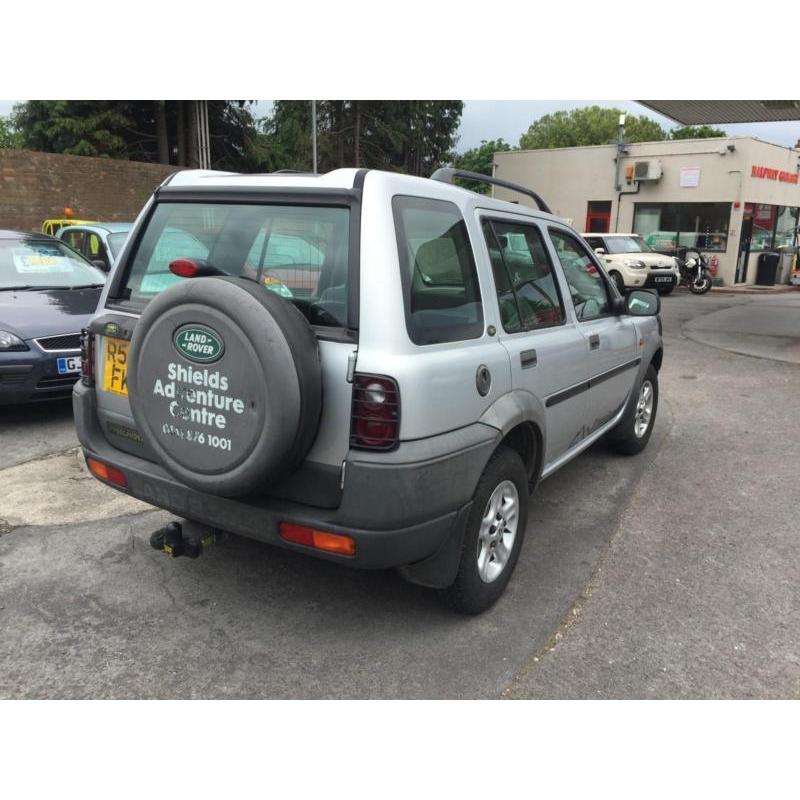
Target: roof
{"points": [[708, 112], [108, 227], [337, 179], [202, 178], [610, 235], [6, 234]]}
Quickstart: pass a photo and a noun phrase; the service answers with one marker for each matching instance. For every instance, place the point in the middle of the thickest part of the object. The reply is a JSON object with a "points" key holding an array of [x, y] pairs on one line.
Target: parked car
{"points": [[633, 264], [52, 226], [47, 295], [100, 242], [451, 351]]}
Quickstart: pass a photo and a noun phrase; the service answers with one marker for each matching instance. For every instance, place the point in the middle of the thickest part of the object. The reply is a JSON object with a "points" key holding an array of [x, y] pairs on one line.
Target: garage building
{"points": [[734, 198]]}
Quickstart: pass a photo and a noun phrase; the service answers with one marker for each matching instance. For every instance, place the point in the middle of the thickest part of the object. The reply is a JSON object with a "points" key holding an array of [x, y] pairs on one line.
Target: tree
{"points": [[412, 136], [696, 132], [480, 159], [163, 131], [587, 126], [9, 136]]}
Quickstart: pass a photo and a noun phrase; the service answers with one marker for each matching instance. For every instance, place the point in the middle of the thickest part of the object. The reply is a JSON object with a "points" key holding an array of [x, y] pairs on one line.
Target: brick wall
{"points": [[38, 186]]}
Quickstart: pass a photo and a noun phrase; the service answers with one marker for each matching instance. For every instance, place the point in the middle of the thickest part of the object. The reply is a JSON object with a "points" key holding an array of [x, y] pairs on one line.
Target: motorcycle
{"points": [[695, 273]]}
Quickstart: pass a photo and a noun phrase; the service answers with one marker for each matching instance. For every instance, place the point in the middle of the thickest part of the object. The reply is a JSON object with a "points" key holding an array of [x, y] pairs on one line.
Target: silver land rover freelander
{"points": [[372, 368]]}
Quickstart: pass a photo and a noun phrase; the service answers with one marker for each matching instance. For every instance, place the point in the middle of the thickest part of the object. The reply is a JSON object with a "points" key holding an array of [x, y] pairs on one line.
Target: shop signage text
{"points": [[773, 174]]}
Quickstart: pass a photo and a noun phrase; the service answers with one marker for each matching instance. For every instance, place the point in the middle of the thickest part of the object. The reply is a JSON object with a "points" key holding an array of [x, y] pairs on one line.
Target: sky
{"points": [[507, 119]]}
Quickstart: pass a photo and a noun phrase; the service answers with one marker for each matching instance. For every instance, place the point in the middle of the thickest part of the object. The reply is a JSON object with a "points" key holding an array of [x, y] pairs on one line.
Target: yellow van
{"points": [[52, 226]]}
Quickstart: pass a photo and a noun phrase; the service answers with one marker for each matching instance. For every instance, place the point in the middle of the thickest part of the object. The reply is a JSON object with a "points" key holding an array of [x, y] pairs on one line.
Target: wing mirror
{"points": [[101, 264], [640, 303], [600, 251]]}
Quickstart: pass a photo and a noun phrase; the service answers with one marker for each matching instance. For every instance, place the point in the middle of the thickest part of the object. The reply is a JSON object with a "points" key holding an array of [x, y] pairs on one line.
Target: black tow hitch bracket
{"points": [[173, 541]]}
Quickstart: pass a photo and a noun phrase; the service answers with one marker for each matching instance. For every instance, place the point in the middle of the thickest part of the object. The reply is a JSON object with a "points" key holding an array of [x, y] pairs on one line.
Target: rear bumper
{"points": [[400, 508], [32, 375]]}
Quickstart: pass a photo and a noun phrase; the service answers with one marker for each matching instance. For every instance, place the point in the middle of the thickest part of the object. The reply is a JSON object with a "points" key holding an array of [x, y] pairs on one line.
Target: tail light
{"points": [[320, 540], [375, 420], [87, 357], [105, 472]]}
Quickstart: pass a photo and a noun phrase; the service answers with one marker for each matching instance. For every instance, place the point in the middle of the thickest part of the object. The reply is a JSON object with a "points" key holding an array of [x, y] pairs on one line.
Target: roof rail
{"points": [[448, 174]]}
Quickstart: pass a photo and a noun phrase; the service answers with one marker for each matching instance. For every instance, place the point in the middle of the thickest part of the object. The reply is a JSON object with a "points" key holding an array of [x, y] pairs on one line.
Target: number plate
{"points": [[115, 372], [663, 280], [68, 366]]}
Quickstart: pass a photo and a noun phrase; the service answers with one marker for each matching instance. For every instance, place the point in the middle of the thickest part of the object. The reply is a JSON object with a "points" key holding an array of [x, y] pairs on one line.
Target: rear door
{"points": [[546, 348], [295, 248], [610, 340]]}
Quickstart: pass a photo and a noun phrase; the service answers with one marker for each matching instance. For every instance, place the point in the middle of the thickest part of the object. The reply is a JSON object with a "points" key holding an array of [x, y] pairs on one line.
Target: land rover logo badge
{"points": [[198, 343]]}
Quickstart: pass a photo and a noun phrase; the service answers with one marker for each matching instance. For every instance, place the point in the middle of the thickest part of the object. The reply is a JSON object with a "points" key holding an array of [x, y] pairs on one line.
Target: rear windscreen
{"points": [[298, 252]]}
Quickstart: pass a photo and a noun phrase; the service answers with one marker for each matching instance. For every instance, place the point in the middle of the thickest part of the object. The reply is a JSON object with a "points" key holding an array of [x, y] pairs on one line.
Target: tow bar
{"points": [[172, 540]]}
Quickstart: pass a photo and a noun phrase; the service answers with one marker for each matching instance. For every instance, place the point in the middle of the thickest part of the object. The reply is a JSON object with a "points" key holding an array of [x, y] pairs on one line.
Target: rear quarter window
{"points": [[440, 284]]}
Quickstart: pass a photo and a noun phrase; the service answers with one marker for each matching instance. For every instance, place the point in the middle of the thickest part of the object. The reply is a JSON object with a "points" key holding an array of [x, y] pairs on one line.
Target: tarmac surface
{"points": [[669, 574]]}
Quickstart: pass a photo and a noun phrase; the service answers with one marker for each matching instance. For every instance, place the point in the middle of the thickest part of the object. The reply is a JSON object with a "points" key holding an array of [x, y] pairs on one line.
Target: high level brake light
{"points": [[184, 268], [375, 418], [192, 268]]}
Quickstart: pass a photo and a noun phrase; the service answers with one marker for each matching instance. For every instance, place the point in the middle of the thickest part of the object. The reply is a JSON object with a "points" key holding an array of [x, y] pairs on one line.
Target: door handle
{"points": [[594, 342], [528, 358]]}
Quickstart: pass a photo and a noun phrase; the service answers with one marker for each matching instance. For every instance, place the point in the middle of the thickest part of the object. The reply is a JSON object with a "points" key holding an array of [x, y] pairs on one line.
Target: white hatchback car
{"points": [[632, 264]]}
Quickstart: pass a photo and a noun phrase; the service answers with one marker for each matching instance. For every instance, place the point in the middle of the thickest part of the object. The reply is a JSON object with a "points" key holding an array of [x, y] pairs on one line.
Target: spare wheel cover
{"points": [[214, 385]]}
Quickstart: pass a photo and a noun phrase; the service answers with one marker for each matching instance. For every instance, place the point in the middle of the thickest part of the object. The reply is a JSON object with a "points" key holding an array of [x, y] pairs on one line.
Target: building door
{"points": [[598, 216], [744, 244]]}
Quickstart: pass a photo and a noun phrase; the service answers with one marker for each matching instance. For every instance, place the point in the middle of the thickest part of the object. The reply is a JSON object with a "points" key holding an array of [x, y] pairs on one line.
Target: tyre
{"points": [[700, 285], [493, 536], [225, 384], [666, 290], [633, 432], [617, 278]]}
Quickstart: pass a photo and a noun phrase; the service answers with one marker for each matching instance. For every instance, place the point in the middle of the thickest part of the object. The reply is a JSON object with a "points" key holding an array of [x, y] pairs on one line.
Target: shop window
{"points": [[669, 226], [770, 227], [786, 220]]}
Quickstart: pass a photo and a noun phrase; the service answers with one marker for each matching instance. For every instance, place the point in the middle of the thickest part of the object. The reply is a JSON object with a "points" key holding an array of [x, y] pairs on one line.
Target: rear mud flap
{"points": [[439, 570]]}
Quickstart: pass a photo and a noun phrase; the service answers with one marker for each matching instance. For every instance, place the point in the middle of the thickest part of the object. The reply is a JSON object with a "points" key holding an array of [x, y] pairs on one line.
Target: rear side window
{"points": [[440, 284], [298, 252]]}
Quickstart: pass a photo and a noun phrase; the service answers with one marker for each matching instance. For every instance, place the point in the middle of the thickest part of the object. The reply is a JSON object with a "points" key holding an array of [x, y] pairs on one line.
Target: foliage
{"points": [[129, 129], [696, 132], [412, 136], [480, 159], [590, 125], [9, 135]]}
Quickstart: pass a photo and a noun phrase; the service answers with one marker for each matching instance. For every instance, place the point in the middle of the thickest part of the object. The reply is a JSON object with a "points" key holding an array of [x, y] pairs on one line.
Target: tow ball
{"points": [[174, 541]]}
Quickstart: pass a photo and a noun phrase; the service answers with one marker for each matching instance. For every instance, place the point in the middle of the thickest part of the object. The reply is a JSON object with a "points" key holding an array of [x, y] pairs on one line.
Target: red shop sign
{"points": [[773, 174]]}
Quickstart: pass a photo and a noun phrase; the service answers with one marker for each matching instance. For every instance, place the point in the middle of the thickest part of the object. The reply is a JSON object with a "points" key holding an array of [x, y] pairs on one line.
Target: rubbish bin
{"points": [[767, 269]]}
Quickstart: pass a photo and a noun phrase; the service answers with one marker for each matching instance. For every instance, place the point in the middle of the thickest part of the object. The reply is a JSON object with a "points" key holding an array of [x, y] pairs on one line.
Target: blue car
{"points": [[100, 242], [48, 292]]}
